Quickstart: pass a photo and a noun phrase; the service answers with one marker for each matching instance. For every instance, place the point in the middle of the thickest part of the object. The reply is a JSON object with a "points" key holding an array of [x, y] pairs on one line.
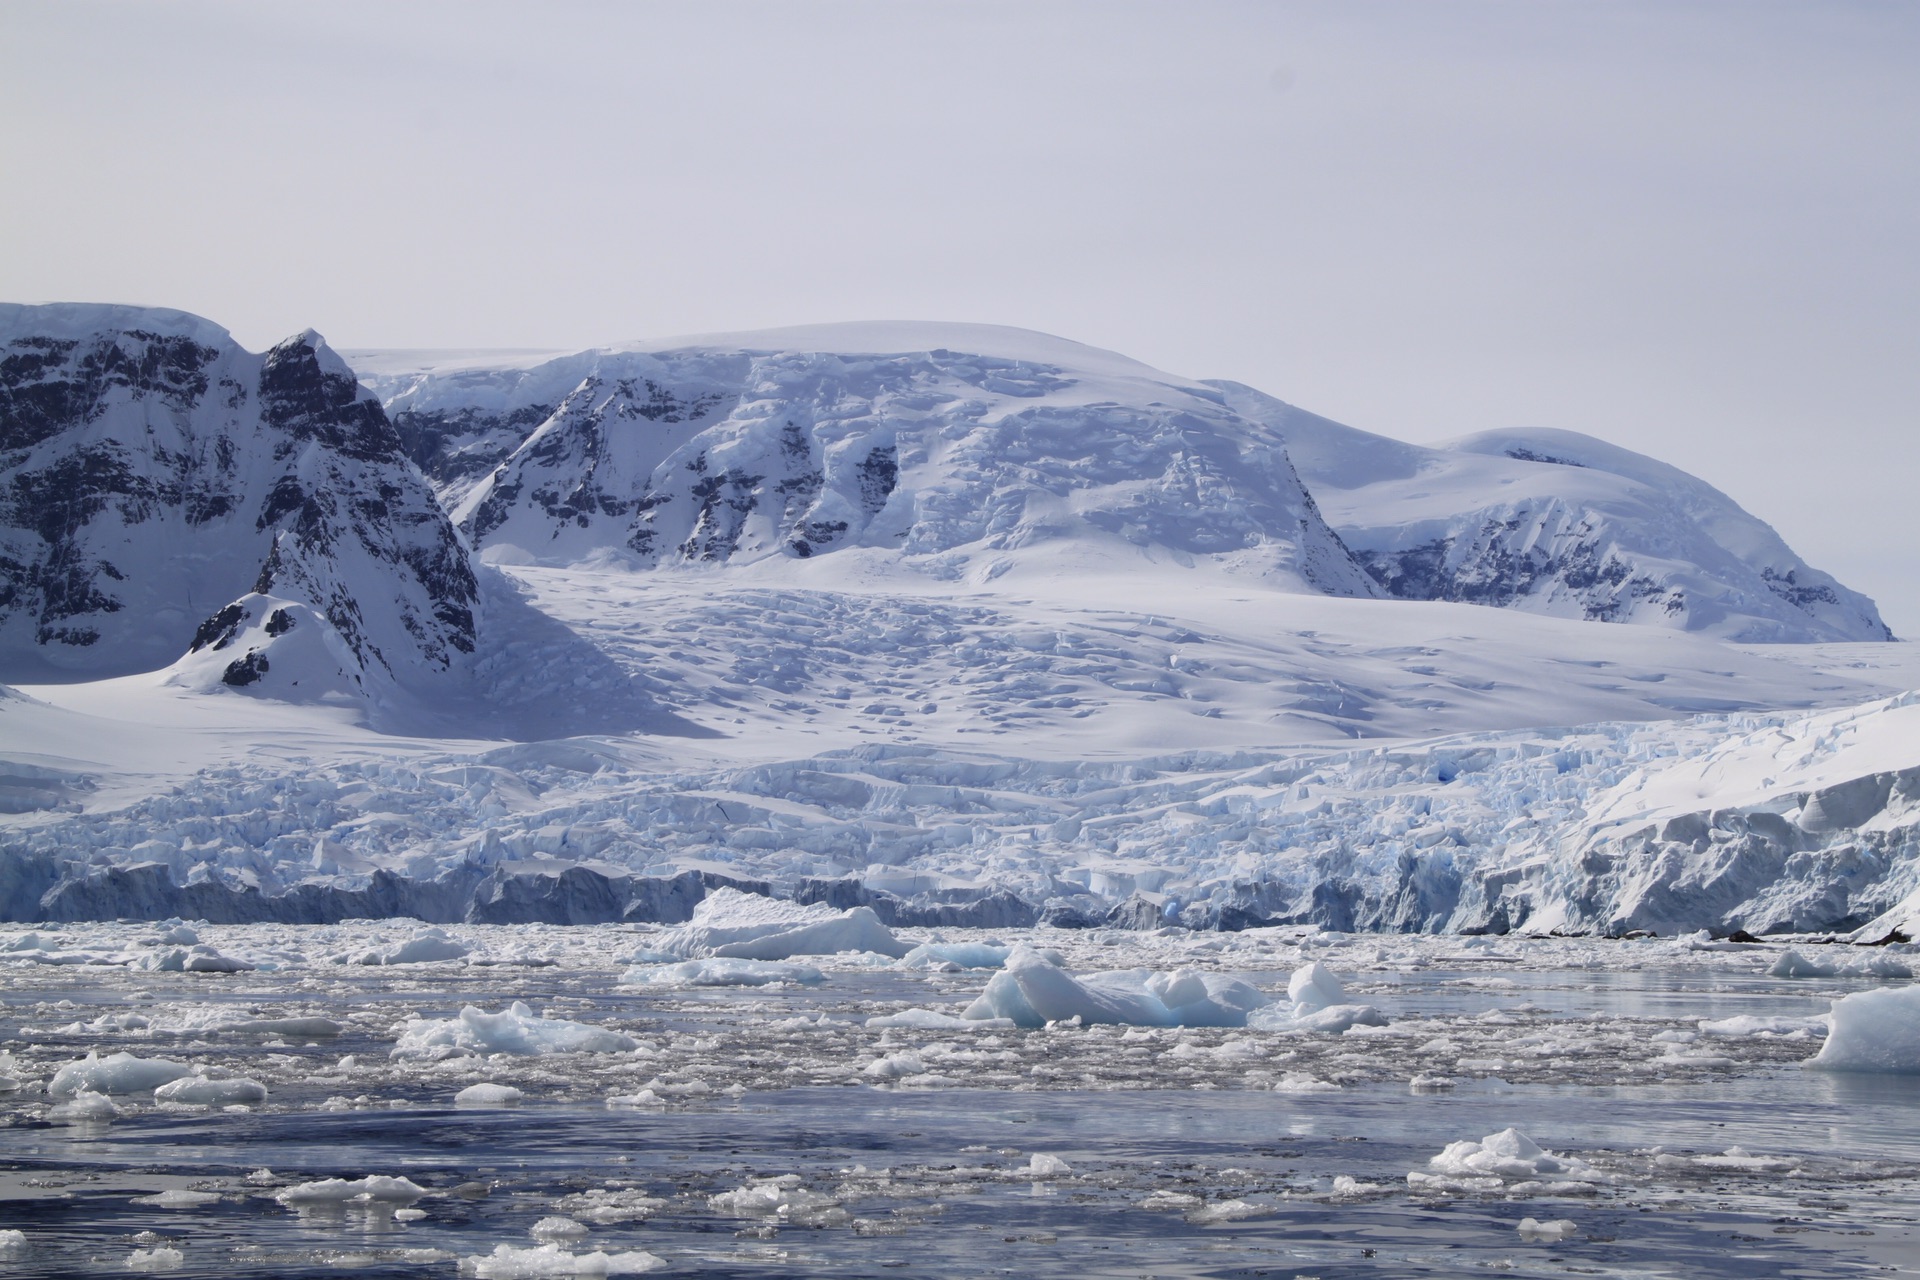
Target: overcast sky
{"points": [[1692, 229]]}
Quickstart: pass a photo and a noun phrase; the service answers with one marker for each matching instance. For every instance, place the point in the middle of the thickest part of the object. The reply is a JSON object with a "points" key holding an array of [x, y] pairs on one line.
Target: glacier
{"points": [[915, 625]]}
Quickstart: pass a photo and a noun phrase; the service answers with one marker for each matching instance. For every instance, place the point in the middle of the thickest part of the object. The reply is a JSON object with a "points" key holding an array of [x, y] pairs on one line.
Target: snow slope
{"points": [[1559, 523]]}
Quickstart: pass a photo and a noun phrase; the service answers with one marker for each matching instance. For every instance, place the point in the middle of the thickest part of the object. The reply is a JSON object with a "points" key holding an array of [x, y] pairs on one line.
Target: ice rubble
{"points": [[745, 926], [1508, 1160], [374, 1189], [1873, 1031], [1792, 964], [508, 1263], [1032, 990], [721, 973], [514, 1030]]}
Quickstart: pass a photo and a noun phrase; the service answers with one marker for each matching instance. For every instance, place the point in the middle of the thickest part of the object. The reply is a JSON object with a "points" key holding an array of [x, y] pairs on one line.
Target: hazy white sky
{"points": [[1692, 229]]}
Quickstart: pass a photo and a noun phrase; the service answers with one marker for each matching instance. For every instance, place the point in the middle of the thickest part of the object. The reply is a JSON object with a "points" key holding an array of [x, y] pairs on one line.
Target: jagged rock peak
{"points": [[154, 470]]}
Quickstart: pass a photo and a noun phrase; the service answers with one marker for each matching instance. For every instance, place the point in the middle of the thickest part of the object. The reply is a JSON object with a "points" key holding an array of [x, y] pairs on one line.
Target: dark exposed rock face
{"points": [[151, 469]]}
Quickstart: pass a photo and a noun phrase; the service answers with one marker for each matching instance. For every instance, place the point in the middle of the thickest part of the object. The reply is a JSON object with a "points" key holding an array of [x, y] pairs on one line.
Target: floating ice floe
{"points": [[198, 1091], [1747, 1024], [119, 1073], [934, 1020], [555, 1227], [721, 972], [1792, 964], [515, 1030], [781, 1197], [178, 1198], [1316, 1002], [86, 1107], [509, 1263], [160, 1259], [196, 959], [959, 955], [425, 947], [1032, 991], [374, 1189], [1510, 1161], [750, 927], [488, 1095], [1873, 1031], [13, 1243], [1532, 1229], [1042, 1165]]}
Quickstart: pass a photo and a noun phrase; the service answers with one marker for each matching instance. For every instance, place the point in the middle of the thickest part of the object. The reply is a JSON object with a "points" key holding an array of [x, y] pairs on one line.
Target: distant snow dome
{"points": [[952, 453]]}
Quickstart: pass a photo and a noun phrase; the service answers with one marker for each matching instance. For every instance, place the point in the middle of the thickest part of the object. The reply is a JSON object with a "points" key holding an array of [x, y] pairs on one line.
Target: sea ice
{"points": [[514, 1030], [964, 955], [159, 1259], [198, 1091], [750, 927], [509, 1263], [1318, 1002], [1873, 1031], [117, 1073], [487, 1095], [425, 947], [721, 972], [178, 1198], [1502, 1158], [373, 1189], [1032, 991], [1792, 964], [1546, 1232]]}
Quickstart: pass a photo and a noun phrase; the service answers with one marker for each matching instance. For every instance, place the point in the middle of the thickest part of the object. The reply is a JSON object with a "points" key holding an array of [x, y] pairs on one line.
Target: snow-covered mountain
{"points": [[1559, 523], [163, 491], [955, 452], [968, 624]]}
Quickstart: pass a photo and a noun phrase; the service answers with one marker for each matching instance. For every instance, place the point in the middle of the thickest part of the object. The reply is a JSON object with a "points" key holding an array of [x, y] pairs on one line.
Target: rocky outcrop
{"points": [[164, 491]]}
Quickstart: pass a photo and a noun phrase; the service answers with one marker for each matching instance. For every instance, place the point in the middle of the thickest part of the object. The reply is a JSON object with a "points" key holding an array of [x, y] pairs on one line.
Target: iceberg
{"points": [[1875, 1030], [1032, 991], [747, 926]]}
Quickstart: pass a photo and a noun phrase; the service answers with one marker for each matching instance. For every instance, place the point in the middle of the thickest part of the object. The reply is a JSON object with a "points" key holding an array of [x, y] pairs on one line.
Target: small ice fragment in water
{"points": [[558, 1228], [374, 1189], [1559, 1229], [13, 1244], [509, 1263], [161, 1259], [1042, 1165], [178, 1198], [487, 1095]]}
